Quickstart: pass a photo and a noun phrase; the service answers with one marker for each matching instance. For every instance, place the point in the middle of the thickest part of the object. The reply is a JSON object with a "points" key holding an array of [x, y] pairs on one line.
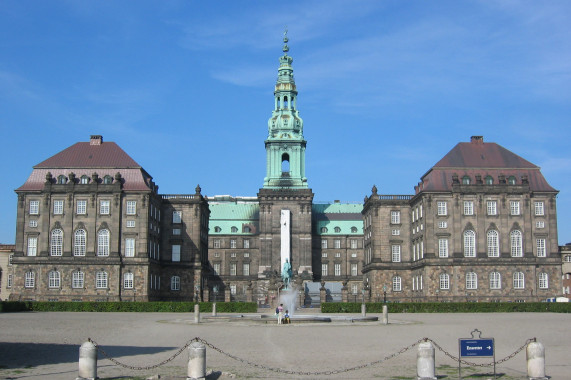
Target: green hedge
{"points": [[176, 307], [449, 307]]}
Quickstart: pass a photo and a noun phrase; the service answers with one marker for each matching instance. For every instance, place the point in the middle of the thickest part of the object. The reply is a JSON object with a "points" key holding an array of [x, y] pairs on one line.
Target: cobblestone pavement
{"points": [[46, 345]]}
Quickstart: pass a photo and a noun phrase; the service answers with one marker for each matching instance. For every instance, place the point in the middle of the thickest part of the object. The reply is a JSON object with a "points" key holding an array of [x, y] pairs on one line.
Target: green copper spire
{"points": [[285, 145]]}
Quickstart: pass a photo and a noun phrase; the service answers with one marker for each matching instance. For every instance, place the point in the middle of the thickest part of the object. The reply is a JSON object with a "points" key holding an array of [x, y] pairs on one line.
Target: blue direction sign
{"points": [[477, 347]]}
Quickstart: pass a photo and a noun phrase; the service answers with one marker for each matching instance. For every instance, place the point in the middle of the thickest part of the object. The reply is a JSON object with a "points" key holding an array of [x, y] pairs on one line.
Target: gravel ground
{"points": [[45, 345]]}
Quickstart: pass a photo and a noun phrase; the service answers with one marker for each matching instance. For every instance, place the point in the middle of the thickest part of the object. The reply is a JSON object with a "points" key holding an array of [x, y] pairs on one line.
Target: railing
{"points": [[178, 196], [396, 197]]}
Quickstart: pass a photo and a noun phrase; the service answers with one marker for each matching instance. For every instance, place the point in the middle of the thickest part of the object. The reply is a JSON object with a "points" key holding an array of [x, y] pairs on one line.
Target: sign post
{"points": [[475, 347]]}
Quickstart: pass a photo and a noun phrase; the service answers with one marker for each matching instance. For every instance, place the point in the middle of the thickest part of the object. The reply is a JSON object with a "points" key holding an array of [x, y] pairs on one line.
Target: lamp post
{"points": [[384, 294]]}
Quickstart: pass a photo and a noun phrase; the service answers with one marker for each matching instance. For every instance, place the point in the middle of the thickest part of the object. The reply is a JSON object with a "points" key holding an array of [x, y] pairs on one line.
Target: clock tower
{"points": [[285, 199]]}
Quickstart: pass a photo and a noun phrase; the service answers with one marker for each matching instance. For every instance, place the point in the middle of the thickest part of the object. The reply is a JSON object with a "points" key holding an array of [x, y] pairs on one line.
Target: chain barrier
{"points": [[303, 373]]}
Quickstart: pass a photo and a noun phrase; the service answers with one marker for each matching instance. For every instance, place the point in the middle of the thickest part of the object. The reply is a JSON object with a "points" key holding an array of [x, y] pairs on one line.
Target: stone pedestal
{"points": [[344, 294], [385, 315], [322, 294], [227, 295], [425, 367], [249, 294], [196, 361], [87, 361], [196, 313], [535, 355]]}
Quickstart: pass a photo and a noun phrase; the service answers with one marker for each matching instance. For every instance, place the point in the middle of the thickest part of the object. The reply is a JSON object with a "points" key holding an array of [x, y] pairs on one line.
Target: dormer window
{"points": [[84, 180], [61, 180], [353, 230], [107, 180], [234, 229], [465, 180], [217, 229], [323, 230], [511, 180], [337, 229], [489, 180]]}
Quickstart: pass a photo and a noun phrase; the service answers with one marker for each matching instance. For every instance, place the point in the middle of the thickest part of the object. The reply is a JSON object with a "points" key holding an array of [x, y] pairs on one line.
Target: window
{"points": [[130, 247], [234, 229], [540, 244], [30, 280], [58, 207], [323, 243], [177, 216], [511, 180], [246, 243], [233, 289], [441, 208], [176, 231], [104, 207], [130, 223], [10, 258], [469, 243], [540, 224], [79, 242], [233, 243], [9, 281], [397, 284], [442, 247], [543, 281], [33, 223], [495, 280], [395, 232], [567, 259], [465, 180], [471, 280], [539, 209], [443, 224], [353, 243], [516, 243], [337, 243], [246, 269], [337, 269], [337, 230], [323, 230], [34, 207], [493, 244], [514, 207], [176, 252], [444, 281], [128, 280], [217, 243], [84, 180], [232, 269], [519, 282], [468, 208], [489, 180], [216, 268], [395, 253], [77, 280], [492, 208], [56, 242], [395, 217], [324, 269], [324, 254], [32, 246], [61, 180], [131, 207], [354, 230], [338, 254], [354, 270], [217, 229], [81, 207], [101, 280], [354, 289], [103, 243], [54, 279], [247, 229], [107, 180], [175, 283]]}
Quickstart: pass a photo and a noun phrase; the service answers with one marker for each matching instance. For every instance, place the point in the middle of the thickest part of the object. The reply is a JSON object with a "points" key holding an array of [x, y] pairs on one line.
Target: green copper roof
{"points": [[337, 218], [336, 207], [238, 216]]}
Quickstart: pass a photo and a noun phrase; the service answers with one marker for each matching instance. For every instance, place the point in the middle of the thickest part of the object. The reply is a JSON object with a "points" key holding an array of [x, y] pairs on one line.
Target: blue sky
{"points": [[386, 88]]}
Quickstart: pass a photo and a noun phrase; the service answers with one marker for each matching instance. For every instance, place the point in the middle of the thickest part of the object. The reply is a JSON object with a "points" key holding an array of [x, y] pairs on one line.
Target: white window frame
{"points": [[246, 243], [216, 243], [56, 242], [495, 280], [101, 280], [337, 243], [442, 248], [397, 284], [354, 289], [9, 280], [245, 269], [232, 243], [177, 216], [444, 281], [54, 279], [519, 280], [468, 207], [78, 280], [130, 247], [492, 207], [540, 247], [324, 243], [395, 253], [354, 244], [81, 207], [441, 207], [471, 281], [395, 232], [516, 243], [442, 224], [175, 253], [337, 269], [79, 242], [539, 208], [34, 207], [514, 208], [233, 269], [493, 242], [58, 207], [216, 268], [103, 240], [469, 243], [354, 269], [32, 246], [104, 207], [324, 269], [543, 280], [395, 217], [128, 280], [30, 280], [540, 224], [175, 283], [131, 208], [131, 224]]}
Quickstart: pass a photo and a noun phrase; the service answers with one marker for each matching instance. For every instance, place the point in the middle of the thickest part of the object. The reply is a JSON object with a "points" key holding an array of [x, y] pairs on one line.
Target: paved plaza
{"points": [[45, 345]]}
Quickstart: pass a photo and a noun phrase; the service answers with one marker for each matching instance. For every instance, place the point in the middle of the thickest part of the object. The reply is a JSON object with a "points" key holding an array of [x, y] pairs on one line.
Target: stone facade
{"points": [[6, 270]]}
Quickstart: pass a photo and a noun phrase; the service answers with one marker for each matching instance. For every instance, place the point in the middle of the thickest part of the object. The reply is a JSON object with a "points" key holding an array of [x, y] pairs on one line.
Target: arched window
{"points": [[61, 180], [84, 180], [101, 280], [495, 280], [516, 243], [444, 281], [323, 230], [469, 243], [175, 283], [465, 180], [103, 243], [30, 281], [337, 229], [397, 284], [56, 242], [489, 180], [511, 180], [543, 279], [77, 280], [217, 229], [519, 280], [54, 279], [285, 163], [493, 244], [234, 229], [79, 243], [128, 280], [353, 230], [107, 180], [247, 229], [471, 280]]}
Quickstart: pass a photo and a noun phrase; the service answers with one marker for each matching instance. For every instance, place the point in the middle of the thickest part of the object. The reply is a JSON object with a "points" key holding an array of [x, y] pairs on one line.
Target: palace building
{"points": [[92, 226]]}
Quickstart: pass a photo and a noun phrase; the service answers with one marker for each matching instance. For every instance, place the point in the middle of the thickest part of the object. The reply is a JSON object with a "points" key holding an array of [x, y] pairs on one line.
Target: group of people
{"points": [[282, 318]]}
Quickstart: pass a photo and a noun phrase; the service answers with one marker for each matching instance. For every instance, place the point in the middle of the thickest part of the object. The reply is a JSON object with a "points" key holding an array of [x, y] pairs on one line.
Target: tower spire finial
{"points": [[286, 48]]}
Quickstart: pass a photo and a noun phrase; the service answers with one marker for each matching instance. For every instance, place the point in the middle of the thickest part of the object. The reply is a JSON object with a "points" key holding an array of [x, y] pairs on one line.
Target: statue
{"points": [[286, 274]]}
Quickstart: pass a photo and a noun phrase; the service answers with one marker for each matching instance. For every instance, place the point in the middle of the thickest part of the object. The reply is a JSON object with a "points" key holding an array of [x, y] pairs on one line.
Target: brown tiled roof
{"points": [[484, 159], [86, 155]]}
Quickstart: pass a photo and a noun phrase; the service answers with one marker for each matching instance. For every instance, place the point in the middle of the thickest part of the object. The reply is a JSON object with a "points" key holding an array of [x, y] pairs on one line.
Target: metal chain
{"points": [[510, 356], [290, 372]]}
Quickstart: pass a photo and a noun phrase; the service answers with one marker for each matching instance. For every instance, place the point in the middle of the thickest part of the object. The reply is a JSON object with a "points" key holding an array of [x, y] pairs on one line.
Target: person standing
{"points": [[280, 313]]}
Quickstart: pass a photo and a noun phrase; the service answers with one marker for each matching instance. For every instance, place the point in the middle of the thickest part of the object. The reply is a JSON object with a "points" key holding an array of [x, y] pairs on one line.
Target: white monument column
{"points": [[285, 234]]}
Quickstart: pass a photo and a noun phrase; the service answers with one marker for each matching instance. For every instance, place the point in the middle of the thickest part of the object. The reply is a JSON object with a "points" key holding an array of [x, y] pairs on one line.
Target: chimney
{"points": [[477, 139], [96, 140]]}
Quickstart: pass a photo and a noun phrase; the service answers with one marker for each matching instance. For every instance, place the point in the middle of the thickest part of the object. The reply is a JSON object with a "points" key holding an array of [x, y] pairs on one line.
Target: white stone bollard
{"points": [[535, 355], [214, 309], [363, 310], [87, 361], [196, 313], [196, 361], [425, 367], [385, 315]]}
